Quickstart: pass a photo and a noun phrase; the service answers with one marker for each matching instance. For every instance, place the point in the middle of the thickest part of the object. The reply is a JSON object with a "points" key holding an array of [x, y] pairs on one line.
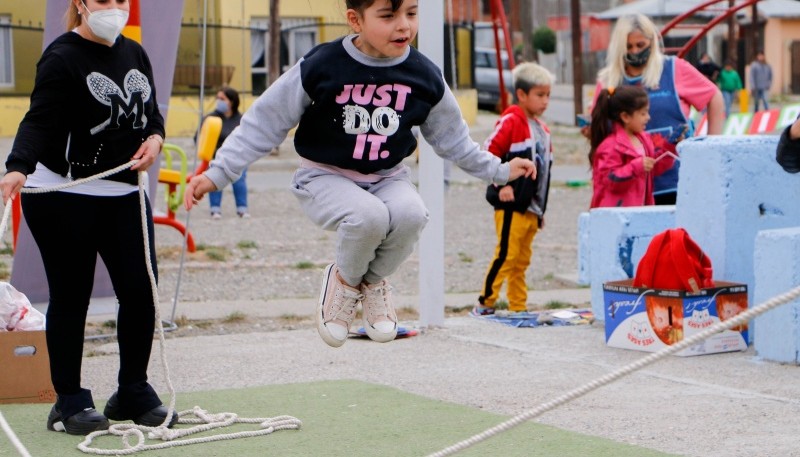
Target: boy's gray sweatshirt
{"points": [[355, 112]]}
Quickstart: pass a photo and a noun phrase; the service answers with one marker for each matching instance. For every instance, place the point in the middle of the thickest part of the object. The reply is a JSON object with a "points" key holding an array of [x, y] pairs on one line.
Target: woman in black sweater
{"points": [[93, 108]]}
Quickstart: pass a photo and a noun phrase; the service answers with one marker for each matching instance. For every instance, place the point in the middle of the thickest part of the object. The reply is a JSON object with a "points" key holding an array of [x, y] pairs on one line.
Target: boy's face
{"points": [[534, 102]]}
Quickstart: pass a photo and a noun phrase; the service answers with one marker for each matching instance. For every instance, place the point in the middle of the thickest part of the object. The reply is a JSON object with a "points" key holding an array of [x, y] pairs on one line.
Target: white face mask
{"points": [[222, 106], [107, 24]]}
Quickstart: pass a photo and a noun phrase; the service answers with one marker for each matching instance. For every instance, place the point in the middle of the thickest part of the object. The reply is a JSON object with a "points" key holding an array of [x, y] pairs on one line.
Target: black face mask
{"points": [[639, 59]]}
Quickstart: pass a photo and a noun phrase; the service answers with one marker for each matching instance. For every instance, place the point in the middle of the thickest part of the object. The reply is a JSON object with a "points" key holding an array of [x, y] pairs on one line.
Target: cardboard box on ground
{"points": [[649, 319], [25, 364]]}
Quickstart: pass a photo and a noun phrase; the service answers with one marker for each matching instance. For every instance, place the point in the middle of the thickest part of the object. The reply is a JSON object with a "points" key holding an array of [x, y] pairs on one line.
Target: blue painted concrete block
{"points": [[731, 188], [618, 238], [584, 250], [777, 270]]}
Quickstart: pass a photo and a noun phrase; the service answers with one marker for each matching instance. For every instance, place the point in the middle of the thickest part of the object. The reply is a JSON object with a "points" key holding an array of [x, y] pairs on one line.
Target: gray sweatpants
{"points": [[377, 224]]}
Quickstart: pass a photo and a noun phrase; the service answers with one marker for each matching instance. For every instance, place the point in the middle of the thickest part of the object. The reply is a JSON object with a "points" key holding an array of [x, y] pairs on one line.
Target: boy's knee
{"points": [[412, 220]]}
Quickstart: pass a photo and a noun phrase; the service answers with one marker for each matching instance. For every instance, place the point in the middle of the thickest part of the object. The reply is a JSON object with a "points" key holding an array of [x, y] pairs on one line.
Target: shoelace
{"points": [[377, 304], [344, 303]]}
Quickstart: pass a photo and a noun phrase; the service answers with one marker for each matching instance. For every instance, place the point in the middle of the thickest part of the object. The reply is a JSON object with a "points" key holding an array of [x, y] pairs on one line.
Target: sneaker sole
{"points": [[321, 328], [55, 424], [377, 336]]}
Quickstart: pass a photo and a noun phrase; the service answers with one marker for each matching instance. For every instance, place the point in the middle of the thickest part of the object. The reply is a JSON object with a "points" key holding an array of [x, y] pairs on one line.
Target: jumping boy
{"points": [[520, 204]]}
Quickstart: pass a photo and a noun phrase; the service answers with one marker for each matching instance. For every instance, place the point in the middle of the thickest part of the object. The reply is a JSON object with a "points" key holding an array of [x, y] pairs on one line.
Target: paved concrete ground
{"points": [[723, 405]]}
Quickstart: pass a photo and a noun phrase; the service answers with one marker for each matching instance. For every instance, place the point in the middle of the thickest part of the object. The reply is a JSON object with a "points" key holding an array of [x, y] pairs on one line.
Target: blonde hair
{"points": [[527, 75], [72, 17], [613, 74]]}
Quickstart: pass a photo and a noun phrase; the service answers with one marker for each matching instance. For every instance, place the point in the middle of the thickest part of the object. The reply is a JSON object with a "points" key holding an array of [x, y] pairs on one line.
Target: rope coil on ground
{"points": [[206, 421], [740, 319]]}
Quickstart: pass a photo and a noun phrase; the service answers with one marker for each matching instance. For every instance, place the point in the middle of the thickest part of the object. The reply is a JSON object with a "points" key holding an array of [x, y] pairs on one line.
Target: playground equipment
{"points": [[499, 22], [176, 179], [710, 6]]}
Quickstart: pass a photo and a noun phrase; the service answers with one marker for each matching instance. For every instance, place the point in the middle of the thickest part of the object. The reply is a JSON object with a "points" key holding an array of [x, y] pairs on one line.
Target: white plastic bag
{"points": [[16, 312]]}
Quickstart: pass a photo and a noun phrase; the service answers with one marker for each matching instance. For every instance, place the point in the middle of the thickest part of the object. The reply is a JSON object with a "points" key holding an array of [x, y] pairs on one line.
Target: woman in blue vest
{"points": [[673, 86]]}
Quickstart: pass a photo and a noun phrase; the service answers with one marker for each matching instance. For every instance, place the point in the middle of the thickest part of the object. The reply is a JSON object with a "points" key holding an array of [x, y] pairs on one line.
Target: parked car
{"points": [[487, 78]]}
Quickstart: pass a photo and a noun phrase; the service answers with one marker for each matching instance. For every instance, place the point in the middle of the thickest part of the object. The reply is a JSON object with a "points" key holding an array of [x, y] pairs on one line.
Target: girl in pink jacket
{"points": [[623, 157]]}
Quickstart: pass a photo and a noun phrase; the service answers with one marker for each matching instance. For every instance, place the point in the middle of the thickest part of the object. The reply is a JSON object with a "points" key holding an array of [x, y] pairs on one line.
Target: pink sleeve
{"points": [[692, 86]]}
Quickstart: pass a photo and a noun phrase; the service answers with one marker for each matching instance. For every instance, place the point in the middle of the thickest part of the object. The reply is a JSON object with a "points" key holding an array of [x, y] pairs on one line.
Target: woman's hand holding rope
{"points": [[10, 185]]}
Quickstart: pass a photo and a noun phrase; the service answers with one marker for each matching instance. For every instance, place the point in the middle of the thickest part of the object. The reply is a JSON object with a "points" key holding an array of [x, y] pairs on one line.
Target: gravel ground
{"points": [[278, 252]]}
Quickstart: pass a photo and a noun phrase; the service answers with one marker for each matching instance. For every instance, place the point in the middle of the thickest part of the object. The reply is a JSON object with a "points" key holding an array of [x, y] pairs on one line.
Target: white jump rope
{"points": [[126, 431]]}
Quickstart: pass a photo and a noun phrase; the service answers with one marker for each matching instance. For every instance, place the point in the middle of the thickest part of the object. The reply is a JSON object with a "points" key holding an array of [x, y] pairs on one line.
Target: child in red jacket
{"points": [[623, 157], [520, 204]]}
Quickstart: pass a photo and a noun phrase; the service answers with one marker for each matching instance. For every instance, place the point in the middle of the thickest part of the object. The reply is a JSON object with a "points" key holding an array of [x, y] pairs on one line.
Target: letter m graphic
{"points": [[129, 102]]}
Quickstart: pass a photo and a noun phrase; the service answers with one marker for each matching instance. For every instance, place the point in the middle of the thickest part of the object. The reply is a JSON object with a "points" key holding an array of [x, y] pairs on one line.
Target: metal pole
{"points": [[274, 41], [202, 95], [431, 186], [577, 56]]}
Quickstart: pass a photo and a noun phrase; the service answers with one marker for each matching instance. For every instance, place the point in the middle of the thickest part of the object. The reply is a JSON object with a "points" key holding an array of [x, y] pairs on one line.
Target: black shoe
{"points": [[152, 418], [82, 423]]}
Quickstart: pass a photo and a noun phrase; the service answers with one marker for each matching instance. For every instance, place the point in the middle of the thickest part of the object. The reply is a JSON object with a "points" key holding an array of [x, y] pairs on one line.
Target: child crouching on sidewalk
{"points": [[520, 204], [356, 100]]}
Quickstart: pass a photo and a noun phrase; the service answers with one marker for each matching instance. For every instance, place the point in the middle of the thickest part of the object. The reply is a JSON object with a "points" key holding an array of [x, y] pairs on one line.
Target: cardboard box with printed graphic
{"points": [[25, 364], [648, 319]]}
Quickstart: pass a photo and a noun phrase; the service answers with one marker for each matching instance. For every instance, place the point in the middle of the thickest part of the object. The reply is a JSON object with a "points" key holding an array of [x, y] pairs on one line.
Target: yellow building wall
{"points": [[231, 47], [27, 43]]}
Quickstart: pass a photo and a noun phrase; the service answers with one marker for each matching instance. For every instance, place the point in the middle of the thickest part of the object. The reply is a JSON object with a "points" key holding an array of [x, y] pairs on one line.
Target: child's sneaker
{"points": [[480, 310], [216, 215], [380, 320], [336, 308]]}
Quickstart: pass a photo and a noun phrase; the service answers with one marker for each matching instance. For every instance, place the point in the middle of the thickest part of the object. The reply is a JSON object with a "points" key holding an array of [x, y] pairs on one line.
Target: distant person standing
{"points": [[708, 68], [729, 83], [673, 86], [227, 109], [760, 80], [519, 205]]}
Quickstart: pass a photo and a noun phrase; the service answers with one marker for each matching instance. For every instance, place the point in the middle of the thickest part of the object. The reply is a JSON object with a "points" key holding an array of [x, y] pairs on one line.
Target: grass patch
{"points": [[235, 316], [110, 324], [7, 250], [555, 304], [305, 265], [247, 244], [464, 257], [5, 272], [218, 254]]}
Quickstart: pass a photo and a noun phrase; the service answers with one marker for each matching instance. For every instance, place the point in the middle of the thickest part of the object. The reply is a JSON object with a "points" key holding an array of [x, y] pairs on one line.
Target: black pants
{"points": [[70, 231]]}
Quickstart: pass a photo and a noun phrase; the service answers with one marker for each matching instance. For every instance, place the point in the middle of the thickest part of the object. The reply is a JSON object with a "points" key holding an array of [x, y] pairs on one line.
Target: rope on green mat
{"points": [[205, 420], [739, 319]]}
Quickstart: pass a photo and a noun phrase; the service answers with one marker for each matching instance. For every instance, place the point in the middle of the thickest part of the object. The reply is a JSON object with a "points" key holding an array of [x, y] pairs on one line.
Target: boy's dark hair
{"points": [[608, 108], [361, 5]]}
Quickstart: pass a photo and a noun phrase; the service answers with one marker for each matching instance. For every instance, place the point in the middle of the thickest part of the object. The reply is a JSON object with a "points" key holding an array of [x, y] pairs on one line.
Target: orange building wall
{"points": [[778, 37]]}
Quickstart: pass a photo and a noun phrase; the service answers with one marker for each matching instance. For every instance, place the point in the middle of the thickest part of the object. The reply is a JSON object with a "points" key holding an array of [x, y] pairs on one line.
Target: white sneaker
{"points": [[336, 308], [216, 215], [380, 319]]}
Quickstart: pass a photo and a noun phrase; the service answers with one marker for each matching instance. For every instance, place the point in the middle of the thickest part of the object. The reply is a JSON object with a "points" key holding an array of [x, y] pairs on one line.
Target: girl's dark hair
{"points": [[233, 96], [361, 5], [608, 108]]}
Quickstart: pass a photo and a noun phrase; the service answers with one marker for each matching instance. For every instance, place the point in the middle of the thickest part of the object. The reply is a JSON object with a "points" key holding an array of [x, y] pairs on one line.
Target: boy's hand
{"points": [[506, 194], [521, 167], [195, 189]]}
